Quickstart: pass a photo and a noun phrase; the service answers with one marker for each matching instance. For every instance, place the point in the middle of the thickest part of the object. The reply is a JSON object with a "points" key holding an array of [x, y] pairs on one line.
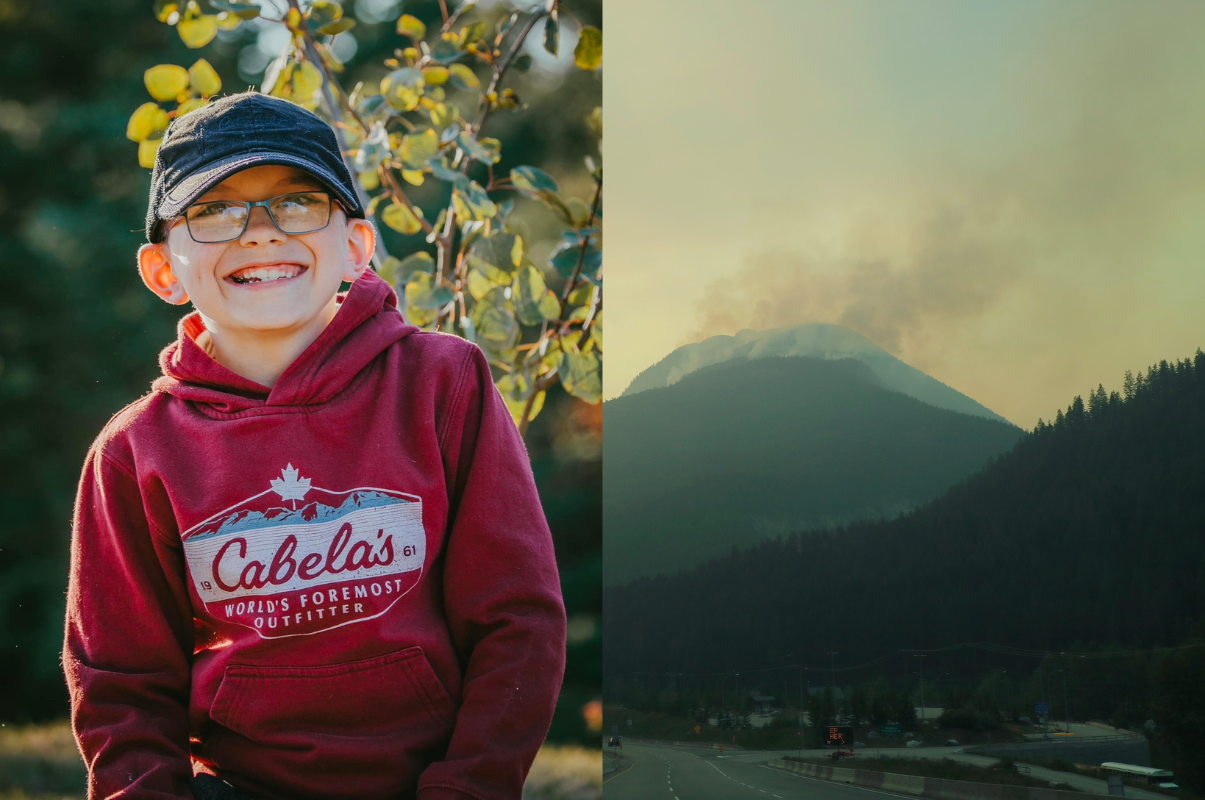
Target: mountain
{"points": [[814, 340], [1088, 533], [739, 451]]}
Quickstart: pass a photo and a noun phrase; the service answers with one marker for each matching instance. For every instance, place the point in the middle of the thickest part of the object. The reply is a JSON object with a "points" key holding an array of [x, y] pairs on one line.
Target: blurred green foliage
{"points": [[79, 334]]}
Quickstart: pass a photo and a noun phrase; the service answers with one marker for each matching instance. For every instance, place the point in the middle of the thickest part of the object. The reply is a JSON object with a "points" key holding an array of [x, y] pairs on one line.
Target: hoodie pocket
{"points": [[395, 700]]}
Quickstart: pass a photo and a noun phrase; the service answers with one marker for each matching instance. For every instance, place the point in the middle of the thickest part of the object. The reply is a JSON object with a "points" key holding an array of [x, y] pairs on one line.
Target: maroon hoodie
{"points": [[339, 587]]}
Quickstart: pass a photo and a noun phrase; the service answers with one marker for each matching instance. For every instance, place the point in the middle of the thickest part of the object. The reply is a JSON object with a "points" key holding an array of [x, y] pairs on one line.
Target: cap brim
{"points": [[198, 183]]}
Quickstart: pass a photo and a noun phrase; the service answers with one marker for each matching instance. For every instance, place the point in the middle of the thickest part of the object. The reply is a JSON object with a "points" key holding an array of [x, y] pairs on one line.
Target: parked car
{"points": [[913, 743], [952, 742]]}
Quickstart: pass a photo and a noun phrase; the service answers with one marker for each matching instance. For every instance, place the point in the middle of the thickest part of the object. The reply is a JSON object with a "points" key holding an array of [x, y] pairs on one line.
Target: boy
{"points": [[311, 561]]}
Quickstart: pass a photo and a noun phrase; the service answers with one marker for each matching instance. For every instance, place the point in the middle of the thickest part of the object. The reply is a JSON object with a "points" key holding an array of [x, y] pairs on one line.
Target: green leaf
{"points": [[166, 11], [522, 63], [463, 76], [444, 114], [532, 179], [412, 27], [474, 32], [436, 75], [373, 150], [497, 328], [165, 81], [403, 88], [446, 49], [534, 301], [322, 13], [203, 78], [472, 202], [421, 292], [551, 33], [374, 107], [307, 79], [596, 330], [581, 375], [197, 31], [419, 148], [516, 388], [588, 53], [484, 279], [475, 150], [503, 251], [335, 28], [147, 120], [401, 219], [581, 295], [506, 23], [550, 353], [421, 261], [564, 258], [147, 149], [389, 271]]}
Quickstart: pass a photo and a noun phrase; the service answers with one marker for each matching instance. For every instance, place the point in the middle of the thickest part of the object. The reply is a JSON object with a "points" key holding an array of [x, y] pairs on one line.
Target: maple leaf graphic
{"points": [[289, 486]]}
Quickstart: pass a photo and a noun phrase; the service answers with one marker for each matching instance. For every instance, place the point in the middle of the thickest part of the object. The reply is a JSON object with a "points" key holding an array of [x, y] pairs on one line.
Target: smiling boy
{"points": [[311, 562]]}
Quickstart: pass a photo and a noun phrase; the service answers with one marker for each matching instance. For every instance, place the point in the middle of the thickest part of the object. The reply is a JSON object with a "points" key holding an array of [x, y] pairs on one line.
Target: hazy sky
{"points": [[1008, 195]]}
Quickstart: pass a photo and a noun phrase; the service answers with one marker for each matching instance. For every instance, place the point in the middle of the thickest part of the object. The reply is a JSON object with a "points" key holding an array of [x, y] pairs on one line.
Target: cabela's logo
{"points": [[308, 566]]}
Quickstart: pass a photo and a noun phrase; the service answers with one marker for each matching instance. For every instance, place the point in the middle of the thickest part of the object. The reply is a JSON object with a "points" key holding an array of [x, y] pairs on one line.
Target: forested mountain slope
{"points": [[748, 449], [1092, 530]]}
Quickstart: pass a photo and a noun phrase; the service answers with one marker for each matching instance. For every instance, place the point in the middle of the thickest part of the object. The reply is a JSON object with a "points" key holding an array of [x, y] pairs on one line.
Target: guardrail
{"points": [[918, 786], [710, 745]]}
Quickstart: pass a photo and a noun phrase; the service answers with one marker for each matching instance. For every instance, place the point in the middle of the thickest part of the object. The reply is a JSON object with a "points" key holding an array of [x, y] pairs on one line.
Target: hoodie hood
{"points": [[367, 323]]}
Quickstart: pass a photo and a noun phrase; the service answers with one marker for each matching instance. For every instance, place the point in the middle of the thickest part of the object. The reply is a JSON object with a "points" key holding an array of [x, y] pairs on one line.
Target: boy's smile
{"points": [[265, 286]]}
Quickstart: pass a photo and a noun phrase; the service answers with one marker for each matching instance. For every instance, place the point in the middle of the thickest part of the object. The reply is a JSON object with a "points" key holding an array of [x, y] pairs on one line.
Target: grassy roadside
{"points": [[40, 762], [945, 768]]}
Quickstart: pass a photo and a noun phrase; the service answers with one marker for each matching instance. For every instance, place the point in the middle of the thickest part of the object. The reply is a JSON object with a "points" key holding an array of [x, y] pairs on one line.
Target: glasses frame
{"points": [[266, 204]]}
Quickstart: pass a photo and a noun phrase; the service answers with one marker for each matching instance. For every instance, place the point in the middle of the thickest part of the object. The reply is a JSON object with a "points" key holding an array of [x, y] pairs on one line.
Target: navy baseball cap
{"points": [[206, 146]]}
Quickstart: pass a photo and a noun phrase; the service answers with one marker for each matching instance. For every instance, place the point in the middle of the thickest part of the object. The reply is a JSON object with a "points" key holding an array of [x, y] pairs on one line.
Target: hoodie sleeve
{"points": [[128, 642], [503, 602]]}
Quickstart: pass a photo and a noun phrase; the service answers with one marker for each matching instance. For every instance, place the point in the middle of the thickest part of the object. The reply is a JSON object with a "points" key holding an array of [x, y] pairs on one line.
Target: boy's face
{"points": [[215, 276]]}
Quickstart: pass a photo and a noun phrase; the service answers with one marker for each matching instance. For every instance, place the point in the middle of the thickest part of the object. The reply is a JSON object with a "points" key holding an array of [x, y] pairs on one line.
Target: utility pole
{"points": [[1042, 686], [922, 683], [833, 673]]}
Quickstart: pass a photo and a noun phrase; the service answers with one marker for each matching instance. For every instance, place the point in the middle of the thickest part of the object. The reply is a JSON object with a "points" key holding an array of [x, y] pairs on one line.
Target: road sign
{"points": [[839, 735], [891, 730], [629, 723], [696, 729], [1042, 708]]}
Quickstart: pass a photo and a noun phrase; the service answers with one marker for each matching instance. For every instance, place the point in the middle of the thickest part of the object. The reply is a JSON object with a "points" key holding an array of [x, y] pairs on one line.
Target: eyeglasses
{"points": [[225, 220]]}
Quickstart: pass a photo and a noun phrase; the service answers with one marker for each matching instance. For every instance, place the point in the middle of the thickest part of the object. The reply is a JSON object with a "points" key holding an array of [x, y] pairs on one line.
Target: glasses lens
{"points": [[301, 212], [215, 222]]}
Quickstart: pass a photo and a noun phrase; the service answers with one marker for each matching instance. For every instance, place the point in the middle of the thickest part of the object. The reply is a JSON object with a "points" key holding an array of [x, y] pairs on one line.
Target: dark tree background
{"points": [[79, 334]]}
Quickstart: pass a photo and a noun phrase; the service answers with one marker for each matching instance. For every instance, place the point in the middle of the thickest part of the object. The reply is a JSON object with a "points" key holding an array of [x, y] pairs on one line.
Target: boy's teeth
{"points": [[262, 274]]}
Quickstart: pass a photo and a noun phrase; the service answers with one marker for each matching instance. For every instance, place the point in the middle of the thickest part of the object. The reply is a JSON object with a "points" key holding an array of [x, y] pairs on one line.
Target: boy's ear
{"points": [[156, 270], [361, 242]]}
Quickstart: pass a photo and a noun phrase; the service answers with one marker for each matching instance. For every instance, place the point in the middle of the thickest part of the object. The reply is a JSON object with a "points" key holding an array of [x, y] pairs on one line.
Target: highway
{"points": [[669, 772], [662, 772]]}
